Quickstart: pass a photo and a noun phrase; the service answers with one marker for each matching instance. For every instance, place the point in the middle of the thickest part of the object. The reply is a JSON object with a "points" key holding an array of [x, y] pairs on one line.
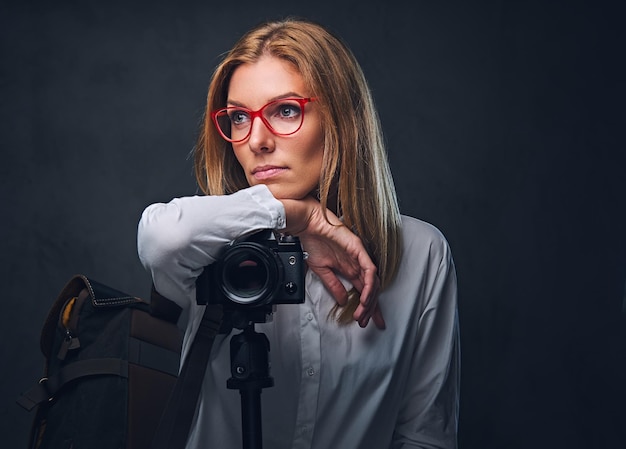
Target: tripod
{"points": [[249, 368]]}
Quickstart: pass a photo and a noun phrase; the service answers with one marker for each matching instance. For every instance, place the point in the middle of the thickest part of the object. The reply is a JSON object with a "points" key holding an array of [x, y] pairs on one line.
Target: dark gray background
{"points": [[505, 123]]}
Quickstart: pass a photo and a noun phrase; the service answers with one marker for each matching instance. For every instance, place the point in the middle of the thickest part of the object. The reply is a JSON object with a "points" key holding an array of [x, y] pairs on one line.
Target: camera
{"points": [[254, 271]]}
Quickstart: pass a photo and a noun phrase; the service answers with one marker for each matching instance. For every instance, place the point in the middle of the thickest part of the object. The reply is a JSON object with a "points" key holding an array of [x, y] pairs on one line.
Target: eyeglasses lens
{"points": [[282, 117]]}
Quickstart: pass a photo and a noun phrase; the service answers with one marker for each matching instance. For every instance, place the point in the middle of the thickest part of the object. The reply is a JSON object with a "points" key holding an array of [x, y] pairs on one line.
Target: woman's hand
{"points": [[335, 250]]}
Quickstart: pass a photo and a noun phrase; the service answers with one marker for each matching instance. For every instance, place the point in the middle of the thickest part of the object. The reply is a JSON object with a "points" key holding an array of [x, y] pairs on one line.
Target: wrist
{"points": [[296, 216]]}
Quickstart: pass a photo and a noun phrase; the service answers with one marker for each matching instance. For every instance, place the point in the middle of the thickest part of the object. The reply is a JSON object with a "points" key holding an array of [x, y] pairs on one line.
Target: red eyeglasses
{"points": [[283, 117]]}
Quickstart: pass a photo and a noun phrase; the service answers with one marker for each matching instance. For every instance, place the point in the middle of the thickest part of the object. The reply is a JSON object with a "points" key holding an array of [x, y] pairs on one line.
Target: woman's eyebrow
{"points": [[277, 97]]}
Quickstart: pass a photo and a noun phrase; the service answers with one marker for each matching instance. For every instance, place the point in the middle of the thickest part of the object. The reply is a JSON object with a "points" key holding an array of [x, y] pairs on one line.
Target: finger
{"points": [[364, 320], [378, 319], [333, 285], [362, 315], [368, 307], [369, 291], [370, 283], [376, 316]]}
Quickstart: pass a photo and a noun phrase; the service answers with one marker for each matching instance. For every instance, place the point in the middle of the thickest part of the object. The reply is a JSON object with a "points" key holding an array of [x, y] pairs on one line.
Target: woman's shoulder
{"points": [[419, 236]]}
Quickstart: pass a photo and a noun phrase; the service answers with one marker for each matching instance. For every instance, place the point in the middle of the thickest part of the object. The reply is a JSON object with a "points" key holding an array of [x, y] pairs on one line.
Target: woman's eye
{"points": [[288, 111], [238, 117]]}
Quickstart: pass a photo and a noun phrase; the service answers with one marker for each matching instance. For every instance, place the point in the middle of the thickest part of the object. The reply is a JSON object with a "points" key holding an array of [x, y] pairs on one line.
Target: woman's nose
{"points": [[261, 138]]}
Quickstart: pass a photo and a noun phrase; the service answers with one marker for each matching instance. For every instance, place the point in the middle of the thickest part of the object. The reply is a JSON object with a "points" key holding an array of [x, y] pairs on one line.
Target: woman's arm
{"points": [[176, 240], [429, 414]]}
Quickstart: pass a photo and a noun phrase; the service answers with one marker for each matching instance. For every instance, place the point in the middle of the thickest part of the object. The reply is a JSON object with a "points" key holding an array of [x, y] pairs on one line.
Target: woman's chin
{"points": [[283, 193]]}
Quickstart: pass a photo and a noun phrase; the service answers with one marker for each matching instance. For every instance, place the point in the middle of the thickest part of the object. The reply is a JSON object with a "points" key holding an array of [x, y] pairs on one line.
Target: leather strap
{"points": [[163, 308], [173, 430], [48, 387]]}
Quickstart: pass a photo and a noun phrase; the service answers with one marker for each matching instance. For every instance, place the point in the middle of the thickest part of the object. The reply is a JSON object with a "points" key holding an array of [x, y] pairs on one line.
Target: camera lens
{"points": [[247, 277], [249, 274]]}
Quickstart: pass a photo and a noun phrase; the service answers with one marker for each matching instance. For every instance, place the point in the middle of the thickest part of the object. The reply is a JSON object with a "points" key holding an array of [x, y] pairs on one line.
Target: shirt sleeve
{"points": [[428, 418], [176, 240]]}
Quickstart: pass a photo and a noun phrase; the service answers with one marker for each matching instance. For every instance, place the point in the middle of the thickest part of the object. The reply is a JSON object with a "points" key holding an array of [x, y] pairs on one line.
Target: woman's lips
{"points": [[262, 173]]}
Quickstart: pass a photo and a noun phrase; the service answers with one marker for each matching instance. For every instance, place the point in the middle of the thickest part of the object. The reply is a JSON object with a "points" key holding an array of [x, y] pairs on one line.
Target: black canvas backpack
{"points": [[111, 362]]}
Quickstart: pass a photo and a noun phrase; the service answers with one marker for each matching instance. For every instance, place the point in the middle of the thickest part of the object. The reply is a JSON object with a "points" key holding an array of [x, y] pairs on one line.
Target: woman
{"points": [[291, 141]]}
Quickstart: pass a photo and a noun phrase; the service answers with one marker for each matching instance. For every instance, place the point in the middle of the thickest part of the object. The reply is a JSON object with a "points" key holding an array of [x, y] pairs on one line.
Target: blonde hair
{"points": [[355, 172]]}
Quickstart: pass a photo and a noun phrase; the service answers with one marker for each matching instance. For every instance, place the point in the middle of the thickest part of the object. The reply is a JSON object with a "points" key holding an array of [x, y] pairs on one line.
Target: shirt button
{"points": [[310, 371], [309, 316]]}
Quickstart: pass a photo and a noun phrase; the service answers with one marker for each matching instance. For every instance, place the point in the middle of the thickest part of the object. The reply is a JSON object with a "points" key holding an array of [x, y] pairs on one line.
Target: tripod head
{"points": [[243, 318]]}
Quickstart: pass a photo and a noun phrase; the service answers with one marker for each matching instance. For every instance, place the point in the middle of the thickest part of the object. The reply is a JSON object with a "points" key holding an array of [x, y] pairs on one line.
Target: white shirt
{"points": [[336, 387]]}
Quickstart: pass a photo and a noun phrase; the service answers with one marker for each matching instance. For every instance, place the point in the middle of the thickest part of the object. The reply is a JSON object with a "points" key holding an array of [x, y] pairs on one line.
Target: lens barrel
{"points": [[250, 274]]}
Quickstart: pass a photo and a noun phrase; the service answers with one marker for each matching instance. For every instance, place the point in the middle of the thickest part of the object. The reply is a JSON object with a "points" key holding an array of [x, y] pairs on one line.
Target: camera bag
{"points": [[111, 362]]}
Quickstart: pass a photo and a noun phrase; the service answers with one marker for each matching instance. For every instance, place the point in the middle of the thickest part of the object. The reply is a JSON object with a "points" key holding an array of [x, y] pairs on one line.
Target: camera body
{"points": [[259, 270]]}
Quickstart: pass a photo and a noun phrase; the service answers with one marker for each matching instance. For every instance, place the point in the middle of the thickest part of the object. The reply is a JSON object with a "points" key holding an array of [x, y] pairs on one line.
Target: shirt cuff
{"points": [[264, 198]]}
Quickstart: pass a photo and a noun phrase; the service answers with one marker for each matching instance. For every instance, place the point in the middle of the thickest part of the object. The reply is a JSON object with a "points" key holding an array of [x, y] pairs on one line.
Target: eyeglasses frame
{"points": [[259, 113]]}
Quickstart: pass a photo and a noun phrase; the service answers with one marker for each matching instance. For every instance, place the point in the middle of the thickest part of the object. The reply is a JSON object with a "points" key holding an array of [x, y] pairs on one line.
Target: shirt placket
{"points": [[310, 375]]}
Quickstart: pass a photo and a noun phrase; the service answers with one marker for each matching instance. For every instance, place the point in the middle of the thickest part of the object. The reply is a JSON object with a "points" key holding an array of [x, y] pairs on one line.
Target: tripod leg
{"points": [[249, 358], [251, 427]]}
